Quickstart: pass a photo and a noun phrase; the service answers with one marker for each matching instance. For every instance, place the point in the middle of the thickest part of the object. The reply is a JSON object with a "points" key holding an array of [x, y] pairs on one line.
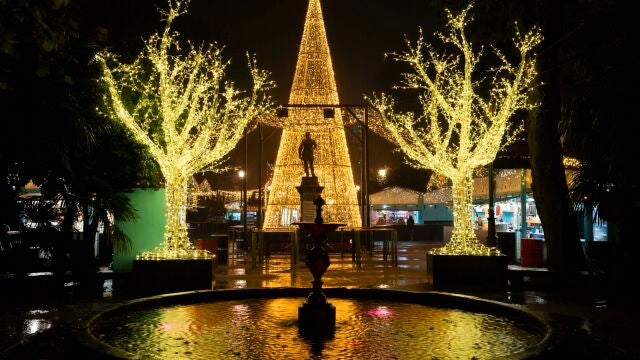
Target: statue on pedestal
{"points": [[305, 152]]}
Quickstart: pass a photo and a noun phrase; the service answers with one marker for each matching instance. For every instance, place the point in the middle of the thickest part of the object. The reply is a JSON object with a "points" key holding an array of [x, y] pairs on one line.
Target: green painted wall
{"points": [[147, 230]]}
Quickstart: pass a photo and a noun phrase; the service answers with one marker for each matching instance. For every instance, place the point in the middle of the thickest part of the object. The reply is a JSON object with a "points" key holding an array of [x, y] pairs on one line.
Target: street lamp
{"points": [[243, 202], [382, 174]]}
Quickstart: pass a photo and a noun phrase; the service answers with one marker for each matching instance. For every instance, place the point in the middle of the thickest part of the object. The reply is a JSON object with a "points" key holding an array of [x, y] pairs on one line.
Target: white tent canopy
{"points": [[396, 196]]}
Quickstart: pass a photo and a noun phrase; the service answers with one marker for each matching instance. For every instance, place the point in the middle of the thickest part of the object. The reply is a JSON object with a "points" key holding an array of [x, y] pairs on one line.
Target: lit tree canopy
{"points": [[181, 105], [462, 125]]}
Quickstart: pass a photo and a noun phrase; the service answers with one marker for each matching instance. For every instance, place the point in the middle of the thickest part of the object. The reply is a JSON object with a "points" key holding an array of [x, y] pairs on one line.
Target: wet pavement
{"points": [[599, 323]]}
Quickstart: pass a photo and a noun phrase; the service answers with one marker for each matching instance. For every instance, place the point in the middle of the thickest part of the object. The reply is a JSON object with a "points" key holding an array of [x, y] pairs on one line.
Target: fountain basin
{"points": [[371, 323]]}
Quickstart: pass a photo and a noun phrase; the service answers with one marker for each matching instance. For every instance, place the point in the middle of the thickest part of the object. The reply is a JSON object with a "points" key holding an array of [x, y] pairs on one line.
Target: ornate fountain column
{"points": [[316, 316]]}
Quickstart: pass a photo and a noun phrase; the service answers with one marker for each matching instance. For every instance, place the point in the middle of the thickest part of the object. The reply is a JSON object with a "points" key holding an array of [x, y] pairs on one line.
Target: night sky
{"points": [[360, 32]]}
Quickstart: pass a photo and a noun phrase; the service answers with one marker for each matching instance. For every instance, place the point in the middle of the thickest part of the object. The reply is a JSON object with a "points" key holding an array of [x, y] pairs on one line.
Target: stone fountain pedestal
{"points": [[316, 316], [309, 190]]}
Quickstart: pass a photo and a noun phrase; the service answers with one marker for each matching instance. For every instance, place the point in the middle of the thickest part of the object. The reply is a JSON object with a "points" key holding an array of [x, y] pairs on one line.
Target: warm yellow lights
{"points": [[459, 128], [313, 83], [179, 103]]}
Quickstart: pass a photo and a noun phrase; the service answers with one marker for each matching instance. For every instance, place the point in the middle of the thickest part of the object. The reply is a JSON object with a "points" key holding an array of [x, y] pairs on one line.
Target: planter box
{"points": [[456, 272], [153, 277]]}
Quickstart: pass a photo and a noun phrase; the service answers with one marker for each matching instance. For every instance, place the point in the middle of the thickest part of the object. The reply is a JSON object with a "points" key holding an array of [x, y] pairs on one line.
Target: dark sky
{"points": [[360, 32]]}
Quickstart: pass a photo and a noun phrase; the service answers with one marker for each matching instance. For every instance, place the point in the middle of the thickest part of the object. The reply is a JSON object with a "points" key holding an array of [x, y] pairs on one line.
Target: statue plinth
{"points": [[317, 317], [309, 190]]}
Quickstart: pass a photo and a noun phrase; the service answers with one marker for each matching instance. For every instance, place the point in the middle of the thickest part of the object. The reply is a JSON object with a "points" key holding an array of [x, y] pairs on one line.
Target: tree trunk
{"points": [[463, 239], [461, 193], [564, 251], [176, 236]]}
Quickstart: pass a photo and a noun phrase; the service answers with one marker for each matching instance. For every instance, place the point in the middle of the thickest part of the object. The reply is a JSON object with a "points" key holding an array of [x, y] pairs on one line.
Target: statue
{"points": [[305, 152]]}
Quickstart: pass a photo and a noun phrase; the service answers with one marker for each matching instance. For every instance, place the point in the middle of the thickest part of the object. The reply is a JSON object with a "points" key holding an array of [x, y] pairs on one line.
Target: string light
{"points": [[313, 83], [181, 105], [458, 130]]}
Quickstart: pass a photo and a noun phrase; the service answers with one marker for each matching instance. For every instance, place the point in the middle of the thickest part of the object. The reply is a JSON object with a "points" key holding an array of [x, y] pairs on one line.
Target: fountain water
{"points": [[370, 323]]}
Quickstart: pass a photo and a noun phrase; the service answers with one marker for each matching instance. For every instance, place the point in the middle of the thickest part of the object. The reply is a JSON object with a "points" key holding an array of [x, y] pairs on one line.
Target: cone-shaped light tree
{"points": [[180, 104], [313, 84], [464, 118]]}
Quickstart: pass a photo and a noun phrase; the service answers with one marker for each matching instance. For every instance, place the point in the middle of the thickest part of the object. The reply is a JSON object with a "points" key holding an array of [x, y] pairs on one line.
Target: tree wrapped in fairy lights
{"points": [[181, 105], [464, 119]]}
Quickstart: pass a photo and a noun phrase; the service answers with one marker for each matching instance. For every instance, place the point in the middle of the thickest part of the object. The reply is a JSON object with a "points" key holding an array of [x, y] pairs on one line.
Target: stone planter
{"points": [[153, 277], [461, 272]]}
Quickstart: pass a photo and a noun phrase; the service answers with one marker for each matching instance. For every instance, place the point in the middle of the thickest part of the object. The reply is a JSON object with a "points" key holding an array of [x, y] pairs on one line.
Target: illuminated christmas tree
{"points": [[313, 83], [459, 130], [180, 104]]}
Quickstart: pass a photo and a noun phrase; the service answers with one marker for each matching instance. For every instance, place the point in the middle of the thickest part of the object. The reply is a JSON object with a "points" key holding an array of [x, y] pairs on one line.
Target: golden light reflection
{"points": [[239, 284], [365, 329], [459, 130], [34, 326]]}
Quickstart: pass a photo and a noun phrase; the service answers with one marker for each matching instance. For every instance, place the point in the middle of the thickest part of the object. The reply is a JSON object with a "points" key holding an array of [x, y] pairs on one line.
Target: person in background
{"points": [[410, 223]]}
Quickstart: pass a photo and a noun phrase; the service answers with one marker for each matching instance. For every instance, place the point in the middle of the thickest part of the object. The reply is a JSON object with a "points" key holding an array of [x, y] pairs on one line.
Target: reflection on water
{"points": [[267, 329], [34, 326]]}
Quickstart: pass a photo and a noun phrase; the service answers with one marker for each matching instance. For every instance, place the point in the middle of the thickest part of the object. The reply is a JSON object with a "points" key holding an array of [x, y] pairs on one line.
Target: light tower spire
{"points": [[313, 84]]}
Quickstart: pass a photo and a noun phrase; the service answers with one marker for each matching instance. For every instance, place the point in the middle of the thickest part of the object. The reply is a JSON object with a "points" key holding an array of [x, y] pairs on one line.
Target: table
{"points": [[236, 233], [389, 243], [10, 241], [259, 246]]}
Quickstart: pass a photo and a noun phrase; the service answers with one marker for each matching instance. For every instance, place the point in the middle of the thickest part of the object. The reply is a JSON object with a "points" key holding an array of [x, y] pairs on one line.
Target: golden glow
{"points": [[570, 162], [313, 83], [459, 130], [179, 103]]}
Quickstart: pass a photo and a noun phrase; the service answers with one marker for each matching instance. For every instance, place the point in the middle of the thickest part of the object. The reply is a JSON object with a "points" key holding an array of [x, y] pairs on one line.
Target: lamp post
{"points": [[491, 220], [258, 223], [243, 201], [244, 187]]}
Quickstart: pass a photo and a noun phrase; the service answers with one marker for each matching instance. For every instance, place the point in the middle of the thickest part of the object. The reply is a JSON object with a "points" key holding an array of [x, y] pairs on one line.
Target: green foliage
{"points": [[52, 132]]}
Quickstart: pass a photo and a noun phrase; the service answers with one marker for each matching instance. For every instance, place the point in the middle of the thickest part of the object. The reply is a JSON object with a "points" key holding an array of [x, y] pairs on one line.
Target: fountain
{"points": [[363, 324], [360, 323], [370, 323]]}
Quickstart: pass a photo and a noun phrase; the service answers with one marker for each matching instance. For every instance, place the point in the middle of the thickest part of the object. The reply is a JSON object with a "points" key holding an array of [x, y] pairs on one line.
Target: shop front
{"points": [[394, 205]]}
